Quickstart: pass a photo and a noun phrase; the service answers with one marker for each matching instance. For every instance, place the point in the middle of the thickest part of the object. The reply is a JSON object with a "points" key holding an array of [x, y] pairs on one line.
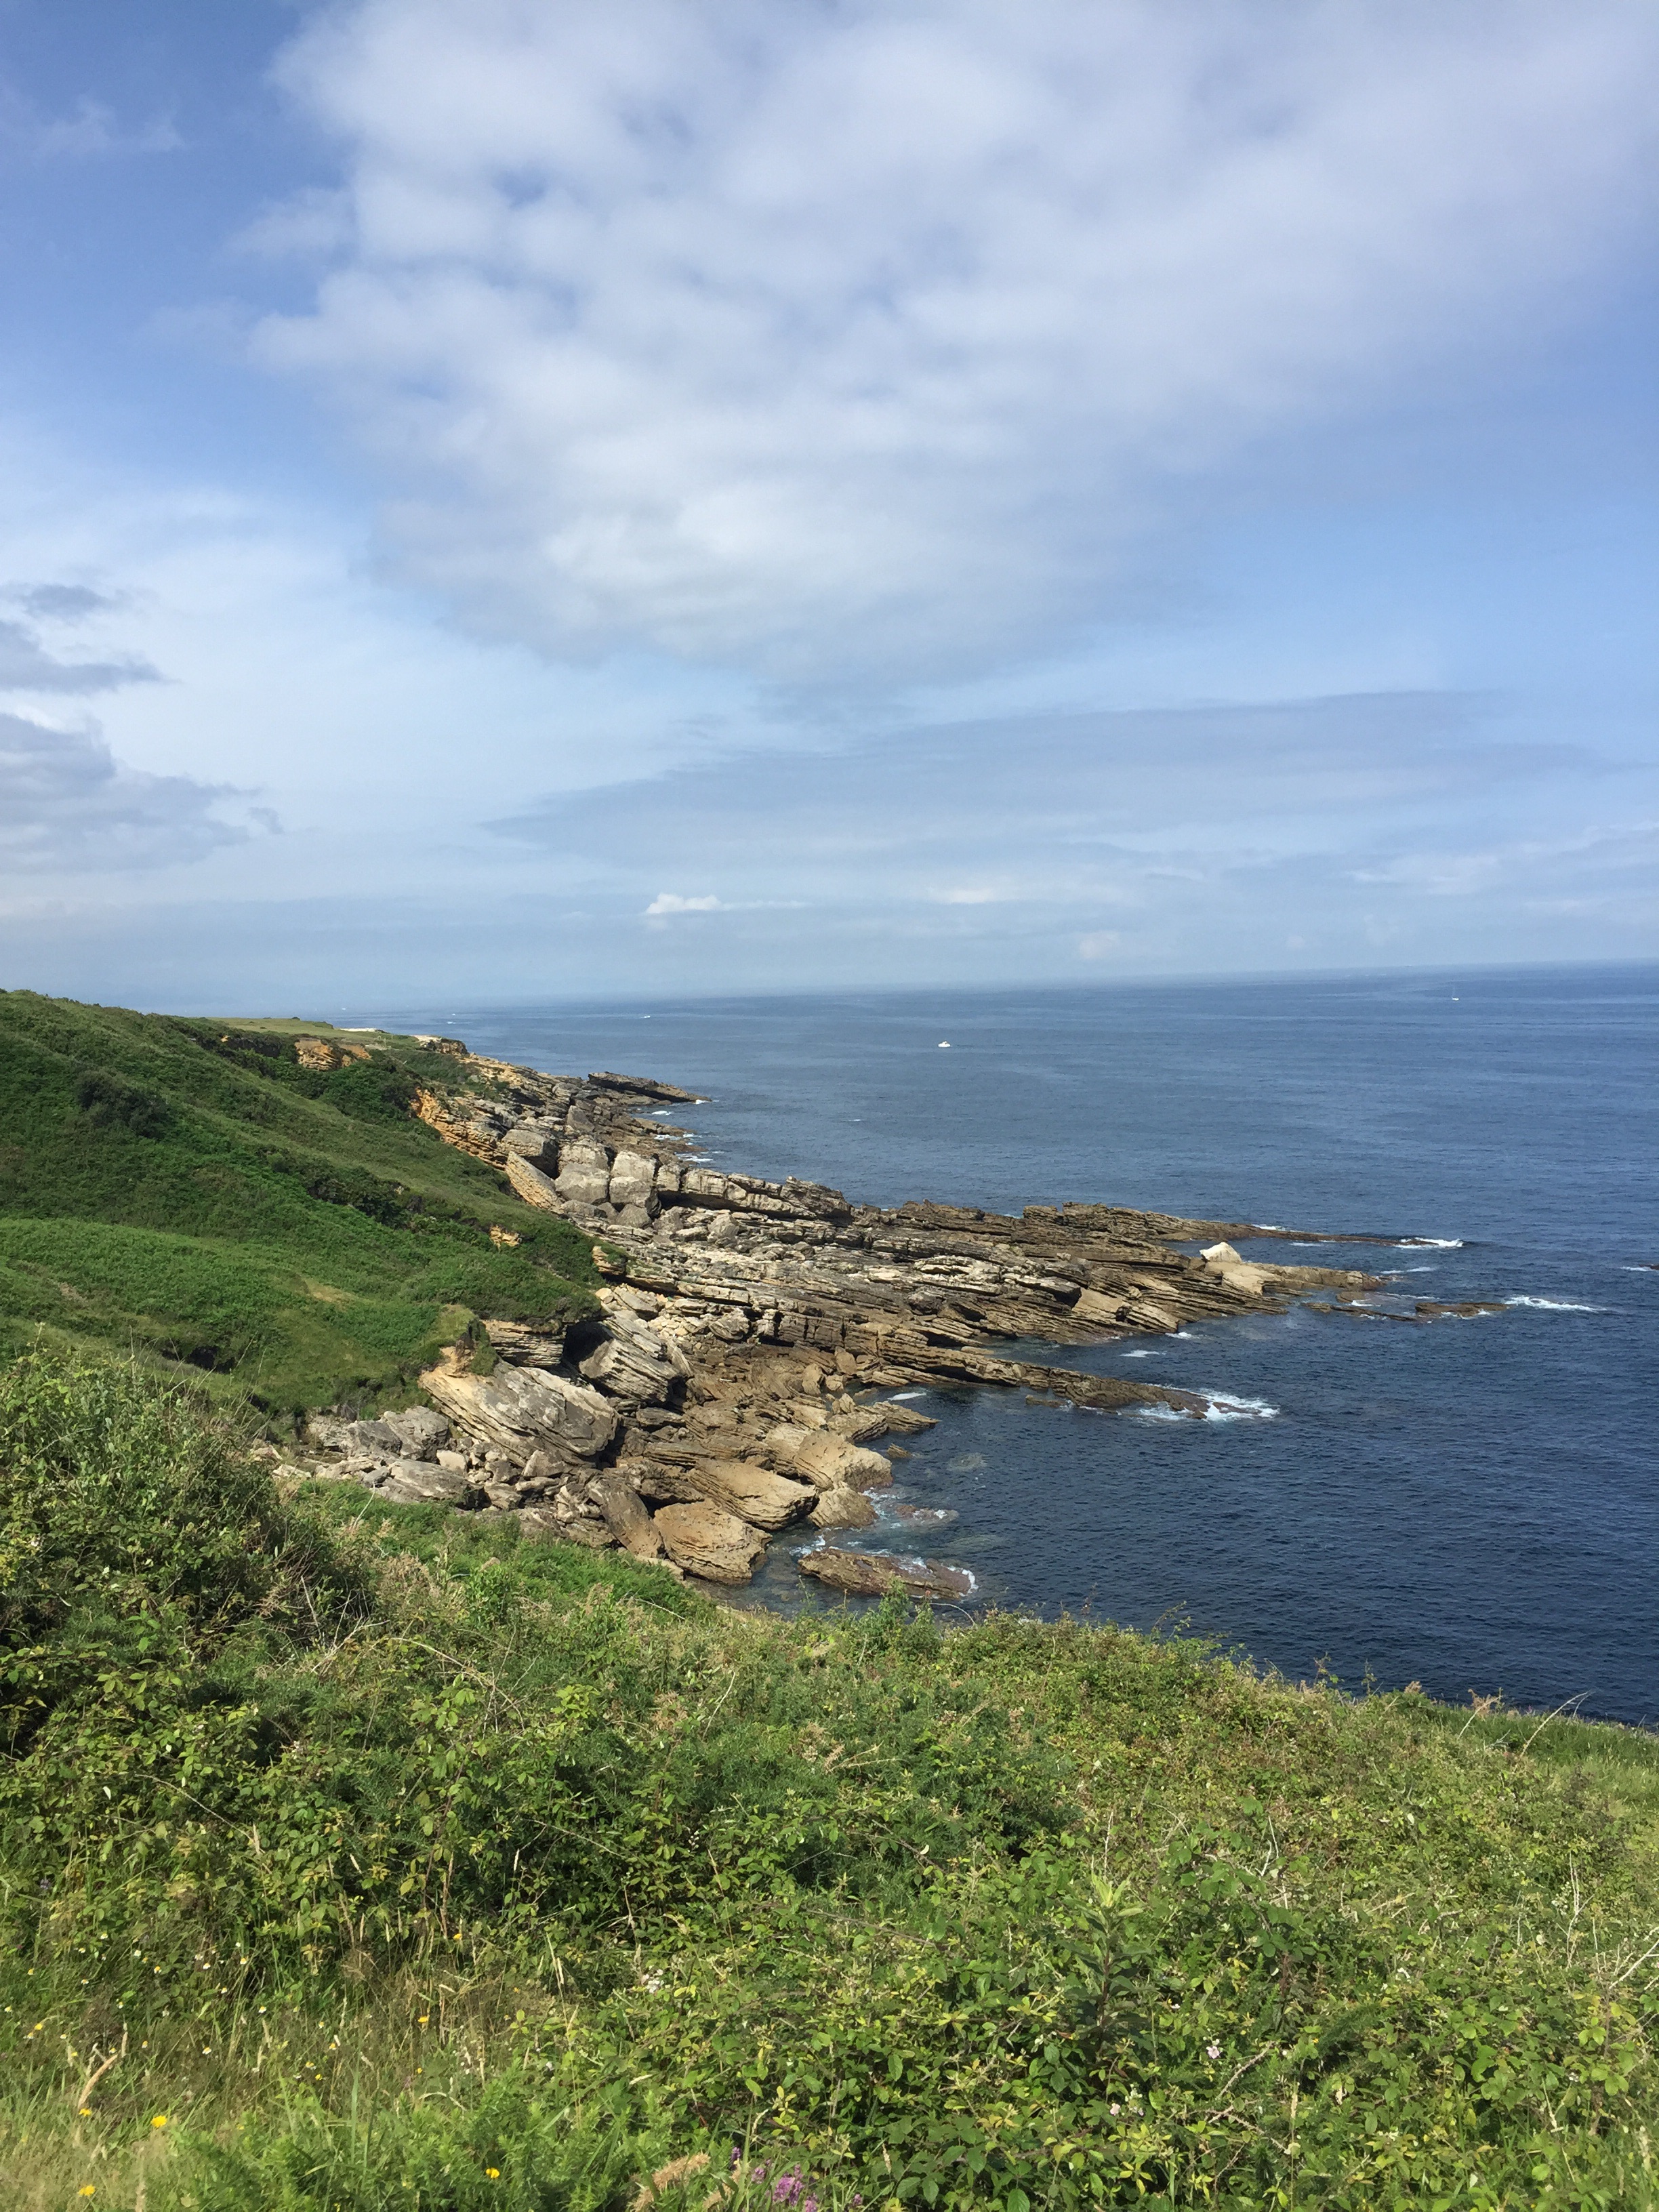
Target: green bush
{"points": [[377, 1857]]}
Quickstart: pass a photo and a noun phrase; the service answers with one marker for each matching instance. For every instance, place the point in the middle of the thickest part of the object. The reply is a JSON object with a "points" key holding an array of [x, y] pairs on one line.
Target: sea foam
{"points": [[1554, 1305]]}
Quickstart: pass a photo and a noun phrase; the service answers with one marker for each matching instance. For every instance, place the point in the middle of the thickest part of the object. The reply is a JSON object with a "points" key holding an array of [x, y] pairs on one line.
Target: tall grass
{"points": [[378, 1859]]}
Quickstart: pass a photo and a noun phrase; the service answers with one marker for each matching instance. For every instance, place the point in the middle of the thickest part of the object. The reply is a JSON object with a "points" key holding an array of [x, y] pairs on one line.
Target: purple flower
{"points": [[788, 2187]]}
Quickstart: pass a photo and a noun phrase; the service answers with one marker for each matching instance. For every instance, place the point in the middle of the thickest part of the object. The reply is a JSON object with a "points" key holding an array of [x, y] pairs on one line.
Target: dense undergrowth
{"points": [[187, 1191], [358, 1858]]}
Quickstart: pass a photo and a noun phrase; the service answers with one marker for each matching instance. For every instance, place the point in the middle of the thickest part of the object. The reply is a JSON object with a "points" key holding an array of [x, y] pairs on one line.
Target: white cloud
{"points": [[868, 341], [672, 903], [1098, 943]]}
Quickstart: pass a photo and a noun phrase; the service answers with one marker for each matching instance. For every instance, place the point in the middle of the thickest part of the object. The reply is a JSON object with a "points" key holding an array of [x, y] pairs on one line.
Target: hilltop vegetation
{"points": [[356, 1857], [188, 1191]]}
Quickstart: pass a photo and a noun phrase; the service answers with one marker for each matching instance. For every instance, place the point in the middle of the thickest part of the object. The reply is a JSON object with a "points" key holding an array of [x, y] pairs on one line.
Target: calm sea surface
{"points": [[1473, 1504]]}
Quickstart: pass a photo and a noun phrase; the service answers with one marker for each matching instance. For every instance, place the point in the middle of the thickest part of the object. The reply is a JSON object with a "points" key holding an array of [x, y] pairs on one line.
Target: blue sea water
{"points": [[1473, 1504]]}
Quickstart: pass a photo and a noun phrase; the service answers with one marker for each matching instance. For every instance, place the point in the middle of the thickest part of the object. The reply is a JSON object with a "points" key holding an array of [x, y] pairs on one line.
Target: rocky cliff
{"points": [[731, 1387]]}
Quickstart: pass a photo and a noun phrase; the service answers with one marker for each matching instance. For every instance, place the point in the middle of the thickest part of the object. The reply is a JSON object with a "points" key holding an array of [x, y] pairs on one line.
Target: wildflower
{"points": [[90, 2188], [85, 2112], [492, 2173], [1212, 2051], [160, 2121], [788, 2188]]}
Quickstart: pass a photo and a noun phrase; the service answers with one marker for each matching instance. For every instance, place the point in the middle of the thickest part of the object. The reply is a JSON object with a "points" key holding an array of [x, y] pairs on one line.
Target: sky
{"points": [[503, 501]]}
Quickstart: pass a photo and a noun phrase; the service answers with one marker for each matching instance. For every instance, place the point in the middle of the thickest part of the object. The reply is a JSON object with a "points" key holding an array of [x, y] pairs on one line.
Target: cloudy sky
{"points": [[509, 500]]}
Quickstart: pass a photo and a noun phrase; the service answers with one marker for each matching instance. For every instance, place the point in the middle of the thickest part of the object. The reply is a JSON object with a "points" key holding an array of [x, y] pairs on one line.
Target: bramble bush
{"points": [[354, 1857]]}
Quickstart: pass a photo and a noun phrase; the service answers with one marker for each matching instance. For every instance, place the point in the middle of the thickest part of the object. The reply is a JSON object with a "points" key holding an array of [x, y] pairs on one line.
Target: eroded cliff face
{"points": [[731, 1389]]}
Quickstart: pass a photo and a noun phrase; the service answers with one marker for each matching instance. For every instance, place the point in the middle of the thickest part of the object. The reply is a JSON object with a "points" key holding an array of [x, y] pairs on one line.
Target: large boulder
{"points": [[634, 1363], [829, 1463], [532, 1184], [625, 1516], [842, 1508], [539, 1147], [521, 1410], [711, 1543], [418, 1482], [1237, 1272], [753, 1492], [633, 1180], [584, 1174], [423, 1433], [524, 1344], [360, 1440]]}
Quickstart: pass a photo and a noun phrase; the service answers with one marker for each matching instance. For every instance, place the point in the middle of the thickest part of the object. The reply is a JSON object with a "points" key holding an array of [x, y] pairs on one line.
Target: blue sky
{"points": [[525, 502]]}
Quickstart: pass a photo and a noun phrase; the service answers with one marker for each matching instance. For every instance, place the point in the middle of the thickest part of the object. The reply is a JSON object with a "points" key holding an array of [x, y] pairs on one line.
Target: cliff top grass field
{"points": [[188, 1191], [356, 1857]]}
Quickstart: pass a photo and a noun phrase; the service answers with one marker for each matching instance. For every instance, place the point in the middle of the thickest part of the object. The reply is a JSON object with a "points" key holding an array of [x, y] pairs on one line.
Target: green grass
{"points": [[188, 1191], [398, 1862]]}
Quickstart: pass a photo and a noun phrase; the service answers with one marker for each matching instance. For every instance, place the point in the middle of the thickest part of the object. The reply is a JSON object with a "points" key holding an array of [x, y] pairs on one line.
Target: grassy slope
{"points": [[185, 1188], [419, 1868]]}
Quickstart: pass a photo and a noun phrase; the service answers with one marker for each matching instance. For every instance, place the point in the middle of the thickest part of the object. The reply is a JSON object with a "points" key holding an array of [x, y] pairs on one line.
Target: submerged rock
{"points": [[871, 1574]]}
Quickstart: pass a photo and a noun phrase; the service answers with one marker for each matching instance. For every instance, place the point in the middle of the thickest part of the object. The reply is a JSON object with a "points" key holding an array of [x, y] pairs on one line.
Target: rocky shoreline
{"points": [[730, 1386]]}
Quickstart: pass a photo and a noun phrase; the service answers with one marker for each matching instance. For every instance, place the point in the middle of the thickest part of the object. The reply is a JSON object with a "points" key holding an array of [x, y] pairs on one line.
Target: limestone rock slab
{"points": [[521, 1410], [832, 1463], [753, 1492], [707, 1541]]}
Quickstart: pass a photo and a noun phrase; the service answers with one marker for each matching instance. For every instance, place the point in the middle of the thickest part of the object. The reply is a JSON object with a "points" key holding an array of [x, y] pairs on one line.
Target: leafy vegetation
{"points": [[357, 1858], [188, 1191]]}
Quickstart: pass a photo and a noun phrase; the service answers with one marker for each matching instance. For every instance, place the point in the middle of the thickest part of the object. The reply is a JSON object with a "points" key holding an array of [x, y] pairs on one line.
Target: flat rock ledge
{"points": [[758, 1339]]}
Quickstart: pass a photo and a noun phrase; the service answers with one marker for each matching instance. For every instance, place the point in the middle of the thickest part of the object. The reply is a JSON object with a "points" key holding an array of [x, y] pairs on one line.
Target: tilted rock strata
{"points": [[725, 1393]]}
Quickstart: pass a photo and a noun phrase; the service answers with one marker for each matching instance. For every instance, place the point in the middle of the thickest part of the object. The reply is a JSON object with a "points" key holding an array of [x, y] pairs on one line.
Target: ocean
{"points": [[1469, 1504]]}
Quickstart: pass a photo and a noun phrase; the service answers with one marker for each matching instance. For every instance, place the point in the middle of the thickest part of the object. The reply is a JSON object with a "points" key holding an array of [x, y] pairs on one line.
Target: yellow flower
{"points": [[90, 2190], [85, 2112], [493, 2172], [160, 2121]]}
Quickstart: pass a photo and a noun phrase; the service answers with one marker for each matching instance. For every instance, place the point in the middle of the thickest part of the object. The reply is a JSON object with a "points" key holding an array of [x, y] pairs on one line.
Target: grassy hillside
{"points": [[188, 1190], [359, 1858]]}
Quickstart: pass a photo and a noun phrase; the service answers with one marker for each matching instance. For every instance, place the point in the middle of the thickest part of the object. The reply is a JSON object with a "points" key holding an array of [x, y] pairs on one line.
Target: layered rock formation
{"points": [[727, 1391]]}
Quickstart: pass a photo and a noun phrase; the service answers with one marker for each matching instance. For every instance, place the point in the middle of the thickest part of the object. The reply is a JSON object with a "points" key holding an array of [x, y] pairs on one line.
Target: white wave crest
{"points": [[1554, 1305], [1431, 1244], [1221, 1406]]}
